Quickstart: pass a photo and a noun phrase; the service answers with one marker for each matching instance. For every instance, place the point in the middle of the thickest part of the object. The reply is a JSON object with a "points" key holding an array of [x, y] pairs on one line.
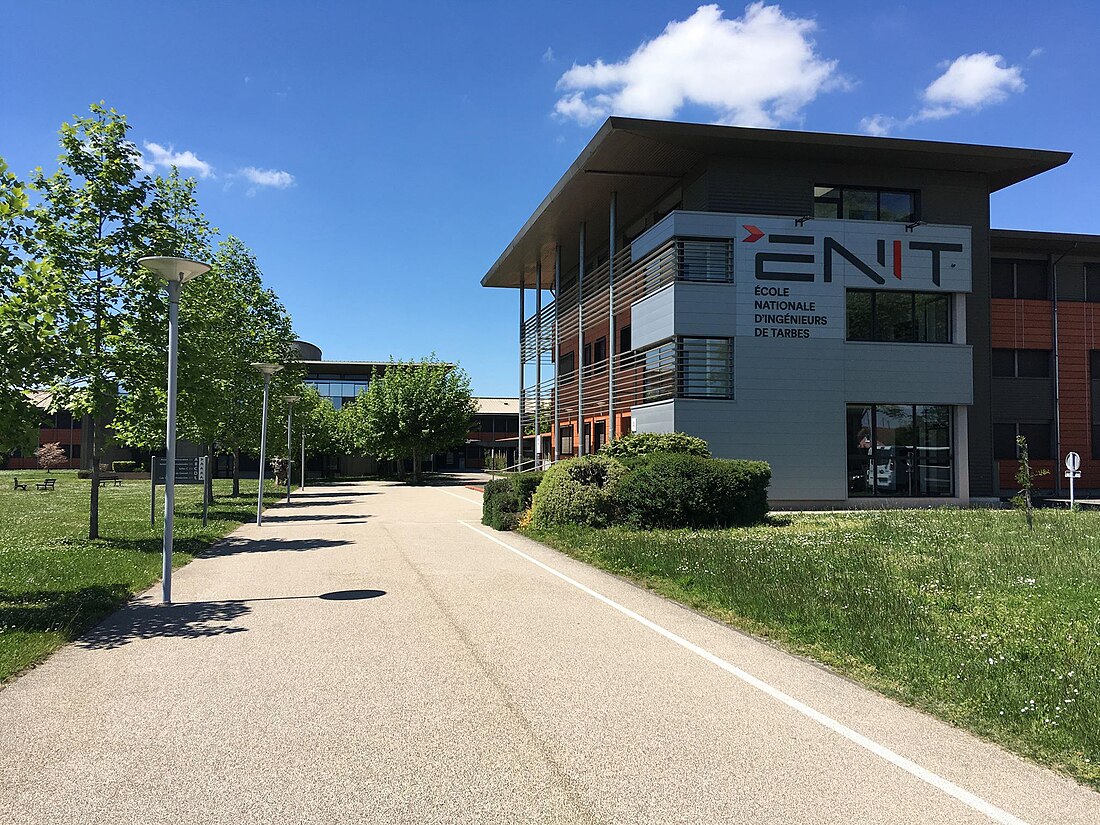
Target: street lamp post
{"points": [[268, 370], [302, 486], [175, 272], [289, 399]]}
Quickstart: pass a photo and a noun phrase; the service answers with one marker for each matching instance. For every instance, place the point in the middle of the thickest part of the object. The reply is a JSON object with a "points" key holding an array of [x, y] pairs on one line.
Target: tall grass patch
{"points": [[963, 613]]}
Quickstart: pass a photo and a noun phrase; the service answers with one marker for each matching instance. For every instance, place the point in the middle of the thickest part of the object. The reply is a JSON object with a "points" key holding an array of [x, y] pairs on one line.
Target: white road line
{"points": [[935, 780], [456, 495]]}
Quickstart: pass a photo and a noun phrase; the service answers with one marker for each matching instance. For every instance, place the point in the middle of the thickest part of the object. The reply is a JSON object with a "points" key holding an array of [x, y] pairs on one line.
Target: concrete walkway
{"points": [[371, 654]]}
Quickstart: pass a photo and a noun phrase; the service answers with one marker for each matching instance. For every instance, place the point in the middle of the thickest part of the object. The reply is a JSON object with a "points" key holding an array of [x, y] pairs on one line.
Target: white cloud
{"points": [[548, 55], [275, 178], [156, 155], [757, 70], [968, 83]]}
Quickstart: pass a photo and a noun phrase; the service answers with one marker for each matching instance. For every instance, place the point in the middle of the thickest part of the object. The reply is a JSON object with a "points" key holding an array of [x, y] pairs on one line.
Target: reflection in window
{"points": [[889, 315], [899, 450], [859, 204], [706, 368], [659, 373]]}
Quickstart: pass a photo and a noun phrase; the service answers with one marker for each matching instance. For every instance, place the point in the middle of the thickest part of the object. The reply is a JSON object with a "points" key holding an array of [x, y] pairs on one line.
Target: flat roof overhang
{"points": [[1047, 243], [642, 159]]}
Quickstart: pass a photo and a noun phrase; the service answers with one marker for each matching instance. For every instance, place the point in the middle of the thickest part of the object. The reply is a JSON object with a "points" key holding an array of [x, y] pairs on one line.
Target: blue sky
{"points": [[377, 159]]}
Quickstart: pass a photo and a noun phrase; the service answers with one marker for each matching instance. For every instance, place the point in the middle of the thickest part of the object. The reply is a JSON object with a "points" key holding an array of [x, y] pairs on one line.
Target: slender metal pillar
{"points": [[302, 486], [611, 322], [578, 360], [519, 430], [538, 362], [170, 444], [289, 445], [555, 436], [263, 454]]}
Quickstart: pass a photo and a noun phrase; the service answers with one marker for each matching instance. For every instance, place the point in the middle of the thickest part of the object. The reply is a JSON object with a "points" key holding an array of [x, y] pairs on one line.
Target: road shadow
{"points": [[236, 545], [292, 517], [58, 610], [308, 493], [147, 620], [313, 502]]}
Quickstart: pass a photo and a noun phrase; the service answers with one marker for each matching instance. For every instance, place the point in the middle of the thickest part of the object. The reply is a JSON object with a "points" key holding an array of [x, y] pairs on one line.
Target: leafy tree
{"points": [[50, 455], [1026, 477], [29, 294], [413, 409], [91, 230]]}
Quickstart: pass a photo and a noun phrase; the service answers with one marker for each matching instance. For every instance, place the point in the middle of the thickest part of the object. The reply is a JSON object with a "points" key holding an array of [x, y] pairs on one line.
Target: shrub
{"points": [[123, 466], [674, 490], [500, 506], [505, 500], [634, 444], [578, 491]]}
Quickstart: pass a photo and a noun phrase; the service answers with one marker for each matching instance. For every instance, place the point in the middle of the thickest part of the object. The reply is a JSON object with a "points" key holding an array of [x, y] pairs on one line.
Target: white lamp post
{"points": [[176, 272], [289, 399], [268, 370]]}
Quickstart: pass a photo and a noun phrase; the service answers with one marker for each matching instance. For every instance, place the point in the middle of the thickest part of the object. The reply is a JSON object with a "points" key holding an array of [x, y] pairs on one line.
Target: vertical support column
{"points": [[611, 322], [555, 436], [170, 440], [578, 359], [1053, 268], [519, 429], [538, 362]]}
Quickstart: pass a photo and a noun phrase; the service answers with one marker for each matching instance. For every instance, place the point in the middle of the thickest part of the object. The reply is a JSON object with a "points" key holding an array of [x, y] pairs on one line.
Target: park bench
{"points": [[46, 484], [19, 486], [105, 480]]}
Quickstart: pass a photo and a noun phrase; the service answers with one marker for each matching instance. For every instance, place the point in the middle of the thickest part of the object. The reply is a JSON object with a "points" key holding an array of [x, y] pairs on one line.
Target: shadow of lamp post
{"points": [[175, 272], [267, 370]]}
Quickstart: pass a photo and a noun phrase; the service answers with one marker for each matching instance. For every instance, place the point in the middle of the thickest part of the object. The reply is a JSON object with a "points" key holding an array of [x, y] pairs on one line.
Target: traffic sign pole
{"points": [[1073, 471]]}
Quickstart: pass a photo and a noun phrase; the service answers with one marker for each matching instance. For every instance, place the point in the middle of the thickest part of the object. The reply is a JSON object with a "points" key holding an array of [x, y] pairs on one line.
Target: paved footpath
{"points": [[492, 680]]}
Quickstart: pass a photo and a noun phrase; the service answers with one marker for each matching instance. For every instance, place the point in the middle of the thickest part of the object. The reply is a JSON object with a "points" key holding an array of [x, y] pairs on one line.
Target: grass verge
{"points": [[962, 613], [55, 583]]}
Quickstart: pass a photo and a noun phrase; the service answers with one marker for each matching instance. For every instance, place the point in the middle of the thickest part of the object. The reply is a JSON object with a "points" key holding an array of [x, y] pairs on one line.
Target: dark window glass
{"points": [[859, 451], [894, 316], [74, 451], [1038, 440], [624, 339], [1033, 363], [933, 451], [933, 317], [705, 260], [1002, 279], [659, 373], [1004, 442], [1092, 283], [566, 365], [565, 439], [859, 308], [1096, 440], [1032, 280], [600, 435], [587, 358], [826, 209], [1094, 363], [899, 450], [599, 350], [1004, 363], [895, 206], [860, 205]]}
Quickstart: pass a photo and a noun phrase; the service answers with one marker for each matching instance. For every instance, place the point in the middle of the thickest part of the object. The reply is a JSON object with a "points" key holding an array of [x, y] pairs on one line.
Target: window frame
{"points": [[878, 192], [875, 338]]}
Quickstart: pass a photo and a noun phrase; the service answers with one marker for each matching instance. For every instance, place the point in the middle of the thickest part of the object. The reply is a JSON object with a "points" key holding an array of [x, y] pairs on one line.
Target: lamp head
{"points": [[290, 399], [174, 269], [267, 369]]}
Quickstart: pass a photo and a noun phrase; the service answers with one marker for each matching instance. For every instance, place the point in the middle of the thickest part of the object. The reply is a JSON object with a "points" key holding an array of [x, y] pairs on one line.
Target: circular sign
{"points": [[1073, 462]]}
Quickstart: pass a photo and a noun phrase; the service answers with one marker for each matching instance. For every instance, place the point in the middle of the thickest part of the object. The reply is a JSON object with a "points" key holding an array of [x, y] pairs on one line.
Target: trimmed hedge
{"points": [[505, 500], [671, 490], [636, 444], [578, 491], [123, 466]]}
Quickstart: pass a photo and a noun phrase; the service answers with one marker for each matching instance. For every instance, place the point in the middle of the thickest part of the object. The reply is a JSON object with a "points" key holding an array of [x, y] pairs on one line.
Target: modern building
{"points": [[836, 305]]}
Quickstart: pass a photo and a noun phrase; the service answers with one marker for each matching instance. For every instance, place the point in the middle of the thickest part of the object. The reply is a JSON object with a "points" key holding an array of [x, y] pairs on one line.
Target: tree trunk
{"points": [[237, 472], [399, 468], [416, 467], [209, 486], [93, 514]]}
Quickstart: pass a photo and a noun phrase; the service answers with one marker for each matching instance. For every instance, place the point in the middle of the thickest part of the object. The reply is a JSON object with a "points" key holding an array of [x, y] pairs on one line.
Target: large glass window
{"points": [[339, 391], [862, 204], [703, 260], [706, 368], [1019, 279], [659, 373], [1038, 436], [1021, 363], [900, 450], [888, 315]]}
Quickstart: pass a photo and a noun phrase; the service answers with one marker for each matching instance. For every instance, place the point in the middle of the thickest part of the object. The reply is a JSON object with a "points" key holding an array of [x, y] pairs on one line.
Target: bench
{"points": [[105, 480], [45, 484], [19, 486]]}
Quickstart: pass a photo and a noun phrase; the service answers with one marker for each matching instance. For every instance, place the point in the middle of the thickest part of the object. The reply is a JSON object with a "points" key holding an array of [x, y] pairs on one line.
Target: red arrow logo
{"points": [[754, 233]]}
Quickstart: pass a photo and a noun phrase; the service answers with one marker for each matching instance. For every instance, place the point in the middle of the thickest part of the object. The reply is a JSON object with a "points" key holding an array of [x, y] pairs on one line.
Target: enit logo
{"points": [[831, 248]]}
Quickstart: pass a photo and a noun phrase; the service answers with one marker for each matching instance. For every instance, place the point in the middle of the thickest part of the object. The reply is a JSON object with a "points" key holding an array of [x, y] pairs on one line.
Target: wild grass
{"points": [[55, 583], [963, 613]]}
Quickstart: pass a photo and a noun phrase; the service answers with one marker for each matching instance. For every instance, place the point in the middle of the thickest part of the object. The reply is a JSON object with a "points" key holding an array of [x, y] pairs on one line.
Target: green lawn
{"points": [[960, 612], [55, 583]]}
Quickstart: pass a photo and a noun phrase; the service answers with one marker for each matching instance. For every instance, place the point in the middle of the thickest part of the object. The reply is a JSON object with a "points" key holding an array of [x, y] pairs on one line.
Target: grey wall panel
{"points": [[735, 185], [705, 309], [1071, 281], [652, 318], [654, 418], [908, 373], [1023, 399]]}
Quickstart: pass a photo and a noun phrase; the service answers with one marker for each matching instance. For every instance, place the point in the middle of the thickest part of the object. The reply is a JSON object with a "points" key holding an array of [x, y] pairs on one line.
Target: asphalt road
{"points": [[372, 654]]}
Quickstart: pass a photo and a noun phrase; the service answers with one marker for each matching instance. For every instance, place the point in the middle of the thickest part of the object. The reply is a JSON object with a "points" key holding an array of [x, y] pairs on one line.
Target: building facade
{"points": [[836, 305]]}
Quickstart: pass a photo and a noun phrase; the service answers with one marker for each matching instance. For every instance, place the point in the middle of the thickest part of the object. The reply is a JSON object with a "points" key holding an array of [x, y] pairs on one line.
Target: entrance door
{"points": [[601, 435]]}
